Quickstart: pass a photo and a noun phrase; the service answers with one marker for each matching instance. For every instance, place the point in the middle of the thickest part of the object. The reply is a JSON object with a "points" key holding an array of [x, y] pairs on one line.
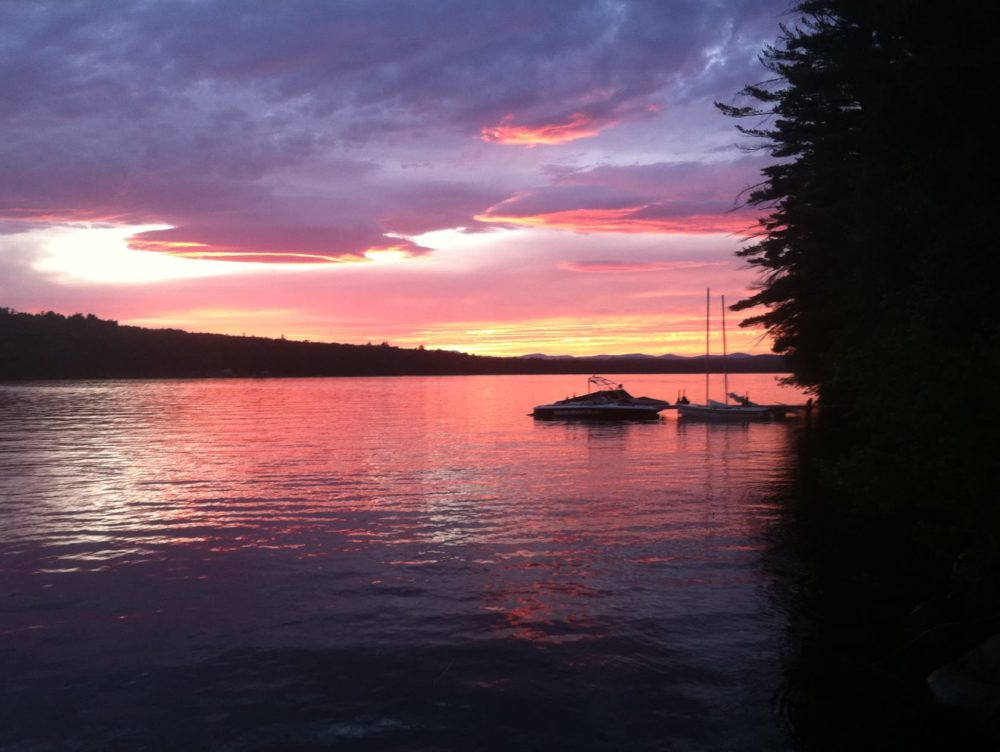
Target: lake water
{"points": [[390, 564]]}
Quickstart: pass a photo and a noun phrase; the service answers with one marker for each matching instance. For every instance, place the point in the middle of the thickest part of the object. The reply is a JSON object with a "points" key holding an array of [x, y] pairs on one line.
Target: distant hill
{"points": [[53, 346]]}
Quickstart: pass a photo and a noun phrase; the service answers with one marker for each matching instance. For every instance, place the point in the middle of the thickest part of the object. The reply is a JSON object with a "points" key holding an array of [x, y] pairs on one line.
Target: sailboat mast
{"points": [[708, 295], [725, 354]]}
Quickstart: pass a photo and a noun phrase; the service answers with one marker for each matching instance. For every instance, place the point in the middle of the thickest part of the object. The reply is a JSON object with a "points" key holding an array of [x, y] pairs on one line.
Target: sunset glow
{"points": [[627, 220], [578, 126], [373, 190], [671, 334], [98, 255]]}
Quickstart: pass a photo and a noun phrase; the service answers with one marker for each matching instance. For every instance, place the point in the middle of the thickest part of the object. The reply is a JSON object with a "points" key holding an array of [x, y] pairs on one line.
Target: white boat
{"points": [[714, 410], [609, 401], [742, 408]]}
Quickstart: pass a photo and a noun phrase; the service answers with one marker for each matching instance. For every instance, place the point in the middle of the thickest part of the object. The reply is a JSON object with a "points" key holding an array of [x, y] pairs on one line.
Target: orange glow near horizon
{"points": [[579, 125], [674, 334], [478, 293], [626, 220], [268, 323]]}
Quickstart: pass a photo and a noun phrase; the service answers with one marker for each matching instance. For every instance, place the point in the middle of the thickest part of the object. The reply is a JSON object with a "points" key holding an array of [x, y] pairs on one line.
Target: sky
{"points": [[498, 178]]}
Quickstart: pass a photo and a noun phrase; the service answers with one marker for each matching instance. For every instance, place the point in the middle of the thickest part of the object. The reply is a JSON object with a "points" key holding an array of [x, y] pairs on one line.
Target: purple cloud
{"points": [[683, 197], [252, 127]]}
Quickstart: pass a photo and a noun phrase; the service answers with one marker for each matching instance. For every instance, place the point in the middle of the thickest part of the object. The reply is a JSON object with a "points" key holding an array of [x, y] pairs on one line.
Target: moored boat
{"points": [[714, 410], [609, 401], [743, 408]]}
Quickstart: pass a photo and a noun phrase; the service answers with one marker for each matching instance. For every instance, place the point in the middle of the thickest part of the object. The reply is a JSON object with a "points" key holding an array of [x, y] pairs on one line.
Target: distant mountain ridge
{"points": [[635, 356]]}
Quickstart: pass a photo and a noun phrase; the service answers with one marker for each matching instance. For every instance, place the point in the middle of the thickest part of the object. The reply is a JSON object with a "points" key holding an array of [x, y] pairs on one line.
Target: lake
{"points": [[391, 563]]}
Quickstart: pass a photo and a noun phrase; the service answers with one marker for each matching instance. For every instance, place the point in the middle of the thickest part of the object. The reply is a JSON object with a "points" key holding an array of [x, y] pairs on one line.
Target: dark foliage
{"points": [[877, 277], [857, 678], [53, 346], [874, 252]]}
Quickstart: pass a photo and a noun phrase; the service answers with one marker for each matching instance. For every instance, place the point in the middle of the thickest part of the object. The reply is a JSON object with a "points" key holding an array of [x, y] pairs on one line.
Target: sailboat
{"points": [[743, 409]]}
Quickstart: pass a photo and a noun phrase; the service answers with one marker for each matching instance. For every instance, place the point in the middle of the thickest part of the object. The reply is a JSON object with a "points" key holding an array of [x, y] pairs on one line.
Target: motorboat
{"points": [[604, 400]]}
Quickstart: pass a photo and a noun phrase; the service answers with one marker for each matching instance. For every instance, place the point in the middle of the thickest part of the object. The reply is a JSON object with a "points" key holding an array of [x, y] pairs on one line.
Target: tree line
{"points": [[53, 346]]}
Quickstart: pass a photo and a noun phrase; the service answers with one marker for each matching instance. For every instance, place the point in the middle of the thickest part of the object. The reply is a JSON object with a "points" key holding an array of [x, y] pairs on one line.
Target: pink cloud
{"points": [[578, 125], [268, 244], [664, 198], [599, 110], [657, 218], [615, 267]]}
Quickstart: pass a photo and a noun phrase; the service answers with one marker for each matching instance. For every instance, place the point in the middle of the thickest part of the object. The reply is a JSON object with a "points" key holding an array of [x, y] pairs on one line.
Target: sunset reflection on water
{"points": [[152, 531]]}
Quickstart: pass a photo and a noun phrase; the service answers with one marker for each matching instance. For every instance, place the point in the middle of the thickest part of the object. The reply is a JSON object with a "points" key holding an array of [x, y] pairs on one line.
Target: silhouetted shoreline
{"points": [[52, 346]]}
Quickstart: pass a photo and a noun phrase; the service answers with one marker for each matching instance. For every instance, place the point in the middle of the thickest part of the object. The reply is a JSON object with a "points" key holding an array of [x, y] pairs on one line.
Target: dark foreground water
{"points": [[390, 564]]}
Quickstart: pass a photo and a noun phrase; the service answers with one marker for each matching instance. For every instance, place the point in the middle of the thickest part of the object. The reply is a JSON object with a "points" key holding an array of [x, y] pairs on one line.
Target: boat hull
{"points": [[596, 412], [609, 402], [724, 412]]}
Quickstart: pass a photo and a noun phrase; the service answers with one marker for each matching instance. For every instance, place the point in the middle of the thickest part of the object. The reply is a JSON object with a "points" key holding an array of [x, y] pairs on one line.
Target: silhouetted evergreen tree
{"points": [[877, 275]]}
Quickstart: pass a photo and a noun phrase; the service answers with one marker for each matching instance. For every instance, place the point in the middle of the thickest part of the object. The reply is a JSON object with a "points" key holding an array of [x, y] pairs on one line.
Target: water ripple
{"points": [[278, 566]]}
